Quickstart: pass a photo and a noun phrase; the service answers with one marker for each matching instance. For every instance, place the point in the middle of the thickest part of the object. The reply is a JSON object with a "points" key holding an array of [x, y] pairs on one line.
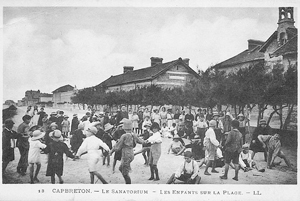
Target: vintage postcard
{"points": [[164, 100]]}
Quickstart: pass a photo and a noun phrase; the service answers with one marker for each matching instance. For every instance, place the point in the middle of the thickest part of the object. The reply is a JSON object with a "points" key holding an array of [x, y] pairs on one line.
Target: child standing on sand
{"points": [[35, 146], [56, 149]]}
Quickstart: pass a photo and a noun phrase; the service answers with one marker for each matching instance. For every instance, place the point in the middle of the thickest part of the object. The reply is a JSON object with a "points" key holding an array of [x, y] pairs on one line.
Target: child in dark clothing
{"points": [[56, 149], [107, 138], [77, 138], [145, 147]]}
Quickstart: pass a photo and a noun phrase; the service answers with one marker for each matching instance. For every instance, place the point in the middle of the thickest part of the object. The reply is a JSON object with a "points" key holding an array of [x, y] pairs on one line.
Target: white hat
{"points": [[56, 134], [212, 123], [108, 126], [92, 129], [37, 134]]}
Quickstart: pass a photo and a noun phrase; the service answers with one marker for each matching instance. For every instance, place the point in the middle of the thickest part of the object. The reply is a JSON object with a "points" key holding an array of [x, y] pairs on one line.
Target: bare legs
{"points": [[31, 169], [92, 174]]}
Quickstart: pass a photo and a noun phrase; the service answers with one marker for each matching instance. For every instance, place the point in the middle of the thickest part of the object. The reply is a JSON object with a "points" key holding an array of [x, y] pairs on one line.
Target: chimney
{"points": [[186, 61], [156, 60], [127, 69], [254, 43]]}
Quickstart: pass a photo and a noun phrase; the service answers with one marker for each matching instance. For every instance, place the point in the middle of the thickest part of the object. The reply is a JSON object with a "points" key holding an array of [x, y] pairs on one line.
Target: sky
{"points": [[47, 47]]}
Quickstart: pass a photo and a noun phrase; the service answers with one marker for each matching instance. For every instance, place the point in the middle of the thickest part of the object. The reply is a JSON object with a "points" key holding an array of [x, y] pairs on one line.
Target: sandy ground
{"points": [[76, 172]]}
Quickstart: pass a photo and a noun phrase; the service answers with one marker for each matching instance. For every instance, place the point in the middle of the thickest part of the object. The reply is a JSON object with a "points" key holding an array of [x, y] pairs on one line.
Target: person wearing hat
{"points": [[145, 146], [245, 161], [77, 138], [35, 146], [155, 150], [107, 138], [126, 144], [41, 114], [211, 144], [56, 149], [176, 146], [116, 137], [65, 126], [74, 124], [23, 144], [256, 145], [188, 172], [60, 119], [188, 120], [8, 143], [53, 126], [92, 146], [233, 148], [242, 125], [272, 145], [219, 129], [53, 118]]}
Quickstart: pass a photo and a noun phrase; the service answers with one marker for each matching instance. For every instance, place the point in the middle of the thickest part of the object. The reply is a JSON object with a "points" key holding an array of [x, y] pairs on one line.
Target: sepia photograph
{"points": [[178, 101]]}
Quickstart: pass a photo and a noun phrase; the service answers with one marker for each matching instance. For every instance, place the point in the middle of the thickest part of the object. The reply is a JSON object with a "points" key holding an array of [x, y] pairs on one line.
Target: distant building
{"points": [[279, 48], [63, 94], [45, 98], [166, 75], [31, 97]]}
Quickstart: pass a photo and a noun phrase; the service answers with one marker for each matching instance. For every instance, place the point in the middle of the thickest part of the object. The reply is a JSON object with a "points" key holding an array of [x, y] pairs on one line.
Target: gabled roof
{"points": [[144, 74], [268, 41], [243, 57], [291, 32], [63, 89], [289, 47]]}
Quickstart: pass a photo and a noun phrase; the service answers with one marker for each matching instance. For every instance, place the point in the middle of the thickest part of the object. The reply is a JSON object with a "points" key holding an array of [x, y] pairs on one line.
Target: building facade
{"points": [[63, 94], [280, 48], [166, 75]]}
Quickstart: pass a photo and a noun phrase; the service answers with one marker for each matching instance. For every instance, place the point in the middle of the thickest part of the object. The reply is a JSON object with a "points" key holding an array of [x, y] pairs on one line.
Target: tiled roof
{"points": [[142, 74], [243, 57], [288, 48], [46, 95], [268, 41], [63, 89]]}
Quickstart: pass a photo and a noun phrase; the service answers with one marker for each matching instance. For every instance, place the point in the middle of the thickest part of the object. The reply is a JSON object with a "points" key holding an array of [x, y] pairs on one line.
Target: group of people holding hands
{"points": [[213, 141]]}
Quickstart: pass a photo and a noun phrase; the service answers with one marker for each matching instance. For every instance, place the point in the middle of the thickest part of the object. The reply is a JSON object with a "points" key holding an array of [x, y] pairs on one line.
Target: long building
{"points": [[166, 75], [280, 48]]}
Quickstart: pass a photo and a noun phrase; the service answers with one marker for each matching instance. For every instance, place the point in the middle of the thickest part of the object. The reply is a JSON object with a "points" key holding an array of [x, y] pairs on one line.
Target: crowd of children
{"points": [[216, 140]]}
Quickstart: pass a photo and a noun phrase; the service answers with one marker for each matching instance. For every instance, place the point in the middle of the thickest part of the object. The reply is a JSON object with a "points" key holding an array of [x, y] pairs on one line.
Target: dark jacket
{"points": [[234, 141]]}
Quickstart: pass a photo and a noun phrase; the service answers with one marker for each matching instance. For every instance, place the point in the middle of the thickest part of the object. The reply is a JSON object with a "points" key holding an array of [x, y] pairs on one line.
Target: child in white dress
{"points": [[35, 146]]}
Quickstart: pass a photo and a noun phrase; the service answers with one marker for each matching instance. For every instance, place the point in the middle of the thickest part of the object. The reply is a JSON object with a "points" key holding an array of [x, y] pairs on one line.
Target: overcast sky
{"points": [[45, 48]]}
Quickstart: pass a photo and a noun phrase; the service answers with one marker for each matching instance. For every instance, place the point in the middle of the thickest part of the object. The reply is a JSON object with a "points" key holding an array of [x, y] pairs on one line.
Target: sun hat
{"points": [[53, 113], [246, 146], [176, 137], [127, 124], [240, 115], [37, 134], [212, 123], [188, 154], [56, 135], [66, 116], [74, 115], [53, 124], [107, 127], [92, 129]]}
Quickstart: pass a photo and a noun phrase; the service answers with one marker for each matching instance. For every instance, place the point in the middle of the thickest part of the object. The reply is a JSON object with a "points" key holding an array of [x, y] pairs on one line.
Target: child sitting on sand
{"points": [[176, 146]]}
